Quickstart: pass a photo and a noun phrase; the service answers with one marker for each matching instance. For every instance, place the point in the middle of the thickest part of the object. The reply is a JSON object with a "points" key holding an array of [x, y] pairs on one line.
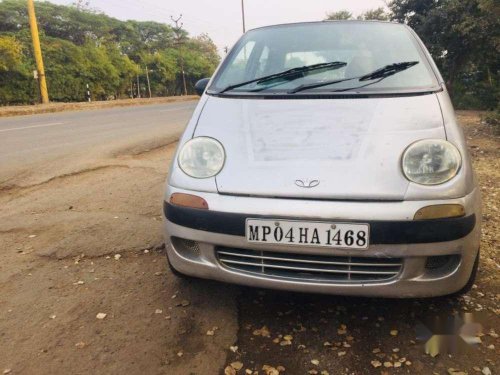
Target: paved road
{"points": [[29, 140]]}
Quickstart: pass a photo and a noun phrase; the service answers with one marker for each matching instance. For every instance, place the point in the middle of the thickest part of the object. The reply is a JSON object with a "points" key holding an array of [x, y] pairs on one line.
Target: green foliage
{"points": [[375, 14], [372, 14], [464, 38], [81, 46], [341, 15], [16, 82], [10, 53]]}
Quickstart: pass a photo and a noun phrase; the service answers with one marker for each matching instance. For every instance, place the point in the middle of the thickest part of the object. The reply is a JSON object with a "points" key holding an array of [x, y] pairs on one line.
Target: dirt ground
{"points": [[91, 243], [84, 288]]}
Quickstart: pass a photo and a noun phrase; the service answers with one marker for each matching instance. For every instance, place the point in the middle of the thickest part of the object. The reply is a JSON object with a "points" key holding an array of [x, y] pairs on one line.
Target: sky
{"points": [[221, 19]]}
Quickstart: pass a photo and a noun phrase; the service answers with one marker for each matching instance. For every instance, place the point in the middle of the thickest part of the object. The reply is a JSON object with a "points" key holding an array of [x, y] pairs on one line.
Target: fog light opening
{"points": [[441, 264], [187, 248]]}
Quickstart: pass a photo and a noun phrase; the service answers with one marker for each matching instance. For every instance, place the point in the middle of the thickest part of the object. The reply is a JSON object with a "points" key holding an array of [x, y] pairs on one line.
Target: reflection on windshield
{"points": [[289, 75]]}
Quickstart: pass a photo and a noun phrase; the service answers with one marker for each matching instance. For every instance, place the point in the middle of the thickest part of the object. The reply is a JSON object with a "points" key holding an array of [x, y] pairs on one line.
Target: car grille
{"points": [[305, 267]]}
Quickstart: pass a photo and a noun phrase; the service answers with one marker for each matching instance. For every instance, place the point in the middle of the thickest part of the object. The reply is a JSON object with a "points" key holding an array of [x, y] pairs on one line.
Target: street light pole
{"points": [[243, 15]]}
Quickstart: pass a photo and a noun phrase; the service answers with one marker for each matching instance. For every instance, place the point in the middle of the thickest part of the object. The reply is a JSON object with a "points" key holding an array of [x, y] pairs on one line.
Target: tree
{"points": [[163, 70], [375, 14], [82, 46], [339, 16], [82, 5], [207, 49], [463, 37], [16, 84]]}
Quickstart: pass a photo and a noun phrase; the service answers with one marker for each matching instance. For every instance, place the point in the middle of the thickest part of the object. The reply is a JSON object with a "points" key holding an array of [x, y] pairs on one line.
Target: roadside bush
{"points": [[81, 46]]}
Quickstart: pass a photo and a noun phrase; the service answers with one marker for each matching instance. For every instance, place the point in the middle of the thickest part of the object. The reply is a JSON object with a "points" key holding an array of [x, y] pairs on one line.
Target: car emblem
{"points": [[308, 184]]}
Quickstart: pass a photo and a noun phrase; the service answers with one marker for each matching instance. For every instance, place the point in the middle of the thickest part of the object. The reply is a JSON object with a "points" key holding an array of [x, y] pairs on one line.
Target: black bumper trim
{"points": [[381, 232]]}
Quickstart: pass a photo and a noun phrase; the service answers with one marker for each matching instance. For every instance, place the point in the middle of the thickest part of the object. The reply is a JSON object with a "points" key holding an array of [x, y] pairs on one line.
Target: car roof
{"points": [[326, 21]]}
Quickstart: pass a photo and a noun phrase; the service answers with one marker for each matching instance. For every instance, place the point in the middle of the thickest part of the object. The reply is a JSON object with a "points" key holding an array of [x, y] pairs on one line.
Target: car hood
{"points": [[318, 148]]}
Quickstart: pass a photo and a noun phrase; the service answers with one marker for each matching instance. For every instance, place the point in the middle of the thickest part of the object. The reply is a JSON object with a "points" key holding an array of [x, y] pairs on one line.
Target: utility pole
{"points": [[38, 53], [178, 37], [243, 15], [149, 84], [184, 80]]}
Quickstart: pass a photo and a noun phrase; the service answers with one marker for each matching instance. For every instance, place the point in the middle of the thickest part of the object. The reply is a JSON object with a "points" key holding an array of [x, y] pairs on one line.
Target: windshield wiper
{"points": [[379, 75], [289, 75]]}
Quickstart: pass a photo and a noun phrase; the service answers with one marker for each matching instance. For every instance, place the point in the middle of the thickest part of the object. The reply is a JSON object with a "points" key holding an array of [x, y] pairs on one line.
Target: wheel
{"points": [[471, 281]]}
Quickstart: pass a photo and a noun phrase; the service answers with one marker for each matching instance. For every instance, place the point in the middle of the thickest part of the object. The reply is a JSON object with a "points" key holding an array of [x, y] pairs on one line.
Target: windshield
{"points": [[362, 47]]}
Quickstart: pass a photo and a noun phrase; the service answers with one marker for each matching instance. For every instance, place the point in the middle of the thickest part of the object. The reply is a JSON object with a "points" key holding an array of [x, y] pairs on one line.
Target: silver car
{"points": [[326, 157]]}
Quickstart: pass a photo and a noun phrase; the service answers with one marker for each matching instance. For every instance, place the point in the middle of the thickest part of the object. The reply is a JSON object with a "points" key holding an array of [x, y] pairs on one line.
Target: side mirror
{"points": [[201, 85]]}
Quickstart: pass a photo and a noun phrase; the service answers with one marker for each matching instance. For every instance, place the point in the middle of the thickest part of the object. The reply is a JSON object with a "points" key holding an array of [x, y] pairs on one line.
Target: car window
{"points": [[363, 46], [236, 71]]}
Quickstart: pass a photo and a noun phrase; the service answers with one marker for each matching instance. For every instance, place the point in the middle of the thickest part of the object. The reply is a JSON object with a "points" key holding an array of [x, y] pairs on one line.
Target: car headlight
{"points": [[202, 157], [431, 162]]}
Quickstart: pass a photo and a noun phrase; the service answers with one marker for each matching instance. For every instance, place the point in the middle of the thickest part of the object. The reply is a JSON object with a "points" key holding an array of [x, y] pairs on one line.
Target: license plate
{"points": [[307, 233]]}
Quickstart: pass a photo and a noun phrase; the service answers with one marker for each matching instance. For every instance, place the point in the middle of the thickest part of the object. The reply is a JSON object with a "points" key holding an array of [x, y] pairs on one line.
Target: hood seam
{"points": [[442, 116], [199, 117]]}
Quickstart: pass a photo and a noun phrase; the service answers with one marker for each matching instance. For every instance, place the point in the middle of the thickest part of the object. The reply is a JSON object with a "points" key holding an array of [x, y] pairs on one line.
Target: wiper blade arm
{"points": [[388, 70], [291, 74], [319, 84], [378, 75]]}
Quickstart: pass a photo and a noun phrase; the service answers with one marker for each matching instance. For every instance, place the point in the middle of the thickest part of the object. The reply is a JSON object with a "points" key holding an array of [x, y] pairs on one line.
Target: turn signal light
{"points": [[188, 200], [440, 211]]}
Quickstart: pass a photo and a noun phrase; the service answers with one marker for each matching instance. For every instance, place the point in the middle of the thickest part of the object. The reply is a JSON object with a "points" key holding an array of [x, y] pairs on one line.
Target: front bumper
{"points": [[394, 235]]}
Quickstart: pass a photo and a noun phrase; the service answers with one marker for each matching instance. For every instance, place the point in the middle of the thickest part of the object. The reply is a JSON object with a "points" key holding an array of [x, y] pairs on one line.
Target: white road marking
{"points": [[31, 127], [176, 109]]}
